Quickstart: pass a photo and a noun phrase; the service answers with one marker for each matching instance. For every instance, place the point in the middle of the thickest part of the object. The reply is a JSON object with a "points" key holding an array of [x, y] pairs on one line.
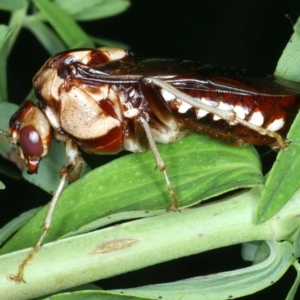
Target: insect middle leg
{"points": [[168, 130], [160, 163]]}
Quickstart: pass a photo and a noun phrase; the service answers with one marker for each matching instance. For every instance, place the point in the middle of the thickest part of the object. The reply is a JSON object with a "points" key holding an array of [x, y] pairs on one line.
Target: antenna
{"points": [[8, 138]]}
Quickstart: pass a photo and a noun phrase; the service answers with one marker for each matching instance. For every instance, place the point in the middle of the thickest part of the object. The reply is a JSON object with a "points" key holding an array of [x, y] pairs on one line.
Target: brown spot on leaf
{"points": [[113, 245]]}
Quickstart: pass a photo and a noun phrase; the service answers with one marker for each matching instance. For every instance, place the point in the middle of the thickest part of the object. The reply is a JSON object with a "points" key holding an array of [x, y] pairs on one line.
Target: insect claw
{"points": [[20, 276], [174, 208]]}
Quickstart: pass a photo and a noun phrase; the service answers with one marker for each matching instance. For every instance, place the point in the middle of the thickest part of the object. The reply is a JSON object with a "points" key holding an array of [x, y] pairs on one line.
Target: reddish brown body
{"points": [[97, 98]]}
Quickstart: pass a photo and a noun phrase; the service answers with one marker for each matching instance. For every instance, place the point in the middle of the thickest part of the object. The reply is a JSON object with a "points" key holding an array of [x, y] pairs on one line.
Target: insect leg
{"points": [[280, 141], [8, 137], [226, 115], [160, 163], [46, 227], [69, 172]]}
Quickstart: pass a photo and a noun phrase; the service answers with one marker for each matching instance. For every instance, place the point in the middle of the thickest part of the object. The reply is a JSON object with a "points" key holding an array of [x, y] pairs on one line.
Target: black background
{"points": [[237, 33]]}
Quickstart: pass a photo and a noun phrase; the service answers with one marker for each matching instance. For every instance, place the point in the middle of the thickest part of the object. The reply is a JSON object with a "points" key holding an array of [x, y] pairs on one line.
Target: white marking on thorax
{"points": [[131, 145], [82, 117], [52, 117], [72, 154], [131, 113], [82, 56], [256, 118], [113, 53], [276, 125]]}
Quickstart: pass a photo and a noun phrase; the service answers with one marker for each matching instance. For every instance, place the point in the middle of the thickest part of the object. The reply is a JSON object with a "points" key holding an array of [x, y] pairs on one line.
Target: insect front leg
{"points": [[69, 172], [227, 115]]}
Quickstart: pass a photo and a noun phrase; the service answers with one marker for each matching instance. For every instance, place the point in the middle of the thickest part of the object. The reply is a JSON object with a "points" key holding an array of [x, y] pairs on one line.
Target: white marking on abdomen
{"points": [[256, 118], [200, 113], [276, 125], [167, 95], [224, 106], [240, 112], [183, 107], [208, 101]]}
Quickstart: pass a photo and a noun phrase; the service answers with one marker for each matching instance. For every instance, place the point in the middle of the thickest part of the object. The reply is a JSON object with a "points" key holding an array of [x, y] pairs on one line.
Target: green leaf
{"points": [[64, 25], [292, 292], [12, 5], [3, 59], [289, 62], [296, 240], [140, 243], [48, 175], [10, 171], [8, 150], [46, 36], [109, 43], [282, 181], [6, 111], [16, 21], [198, 167], [2, 186], [93, 9], [226, 285], [10, 228], [5, 34], [92, 295], [256, 251]]}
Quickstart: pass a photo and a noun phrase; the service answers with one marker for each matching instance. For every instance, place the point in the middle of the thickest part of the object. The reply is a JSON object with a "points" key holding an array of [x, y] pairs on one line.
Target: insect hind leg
{"points": [[227, 115], [282, 144]]}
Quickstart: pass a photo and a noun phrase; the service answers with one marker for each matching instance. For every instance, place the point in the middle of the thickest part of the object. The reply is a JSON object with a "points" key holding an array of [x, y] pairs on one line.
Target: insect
{"points": [[107, 100]]}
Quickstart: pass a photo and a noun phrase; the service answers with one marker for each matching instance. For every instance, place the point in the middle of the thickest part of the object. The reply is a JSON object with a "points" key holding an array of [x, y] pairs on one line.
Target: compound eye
{"points": [[30, 142]]}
